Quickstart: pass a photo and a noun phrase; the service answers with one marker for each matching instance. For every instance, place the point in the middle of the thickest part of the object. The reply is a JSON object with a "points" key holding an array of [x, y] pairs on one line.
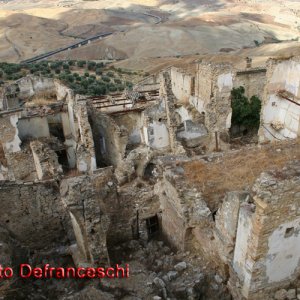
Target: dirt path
{"points": [[13, 45]]}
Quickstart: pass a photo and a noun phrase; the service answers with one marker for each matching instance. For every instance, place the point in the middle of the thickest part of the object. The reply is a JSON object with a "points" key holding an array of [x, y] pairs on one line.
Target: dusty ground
{"points": [[187, 28], [238, 169]]}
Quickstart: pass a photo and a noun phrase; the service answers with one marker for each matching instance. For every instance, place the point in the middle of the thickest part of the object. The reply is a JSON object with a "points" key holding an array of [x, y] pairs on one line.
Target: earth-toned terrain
{"points": [[147, 30]]}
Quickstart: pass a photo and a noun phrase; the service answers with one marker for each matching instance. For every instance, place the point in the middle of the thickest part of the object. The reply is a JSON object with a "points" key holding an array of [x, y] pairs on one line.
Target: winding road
{"points": [[81, 43]]}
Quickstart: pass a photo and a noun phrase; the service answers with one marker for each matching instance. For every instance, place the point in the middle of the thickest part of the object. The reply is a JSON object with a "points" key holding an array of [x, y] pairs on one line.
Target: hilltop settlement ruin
{"points": [[156, 178]]}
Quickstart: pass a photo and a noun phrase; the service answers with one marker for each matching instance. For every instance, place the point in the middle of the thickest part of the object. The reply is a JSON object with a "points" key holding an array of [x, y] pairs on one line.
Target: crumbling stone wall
{"points": [[253, 80], [110, 139], [86, 156], [25, 88], [213, 86], [155, 130], [33, 214], [266, 256], [21, 165], [280, 115], [23, 125], [184, 213], [45, 160], [132, 121], [18, 164], [9, 132], [84, 198], [32, 85]]}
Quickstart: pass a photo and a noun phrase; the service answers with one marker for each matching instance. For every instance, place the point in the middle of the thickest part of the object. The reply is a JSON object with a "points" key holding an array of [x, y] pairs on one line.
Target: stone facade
{"points": [[84, 198], [266, 256], [253, 80], [33, 214]]}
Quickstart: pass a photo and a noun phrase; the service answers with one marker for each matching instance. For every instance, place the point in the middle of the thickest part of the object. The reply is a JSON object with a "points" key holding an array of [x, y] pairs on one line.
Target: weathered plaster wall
{"points": [[182, 85], [156, 132], [157, 135], [31, 85], [226, 223], [132, 121], [19, 164], [110, 140], [33, 128], [9, 134], [266, 255], [244, 231], [280, 118]]}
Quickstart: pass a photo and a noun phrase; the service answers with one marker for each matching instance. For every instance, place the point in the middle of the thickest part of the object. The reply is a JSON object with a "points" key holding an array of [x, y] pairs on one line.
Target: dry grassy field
{"points": [[239, 169]]}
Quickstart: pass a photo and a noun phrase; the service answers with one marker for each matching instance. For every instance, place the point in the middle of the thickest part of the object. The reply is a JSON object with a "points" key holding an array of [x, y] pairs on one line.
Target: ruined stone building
{"points": [[81, 175]]}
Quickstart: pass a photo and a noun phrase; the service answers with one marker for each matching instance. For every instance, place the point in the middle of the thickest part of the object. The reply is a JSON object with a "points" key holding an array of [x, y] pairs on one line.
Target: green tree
{"points": [[66, 67], [245, 112], [91, 65], [81, 63], [105, 78], [98, 71]]}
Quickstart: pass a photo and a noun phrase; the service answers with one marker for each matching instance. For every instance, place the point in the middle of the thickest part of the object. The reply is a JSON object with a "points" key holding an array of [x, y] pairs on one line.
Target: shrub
{"points": [[96, 90], [105, 79], [113, 88], [244, 112], [81, 63], [10, 69], [84, 83], [70, 78], [91, 80], [66, 67], [110, 74], [129, 84], [87, 74], [121, 87], [100, 65], [99, 71], [91, 65]]}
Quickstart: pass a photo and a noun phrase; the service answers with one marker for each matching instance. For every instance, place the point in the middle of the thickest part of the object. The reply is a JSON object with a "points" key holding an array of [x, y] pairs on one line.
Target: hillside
{"points": [[145, 30]]}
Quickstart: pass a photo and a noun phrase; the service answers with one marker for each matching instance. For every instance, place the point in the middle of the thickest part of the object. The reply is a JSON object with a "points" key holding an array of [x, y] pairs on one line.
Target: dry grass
{"points": [[238, 171], [73, 173], [3, 160], [43, 98]]}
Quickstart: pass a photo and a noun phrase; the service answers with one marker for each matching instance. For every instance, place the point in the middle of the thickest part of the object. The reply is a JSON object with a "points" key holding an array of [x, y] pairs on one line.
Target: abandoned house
{"points": [[86, 174]]}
